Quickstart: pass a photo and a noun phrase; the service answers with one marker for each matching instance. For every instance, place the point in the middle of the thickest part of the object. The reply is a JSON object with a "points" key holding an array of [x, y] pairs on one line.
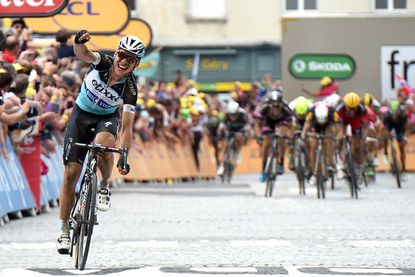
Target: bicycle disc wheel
{"points": [[87, 223]]}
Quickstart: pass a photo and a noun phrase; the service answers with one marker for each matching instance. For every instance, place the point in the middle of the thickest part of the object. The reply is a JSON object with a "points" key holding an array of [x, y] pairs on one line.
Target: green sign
{"points": [[148, 65], [315, 66]]}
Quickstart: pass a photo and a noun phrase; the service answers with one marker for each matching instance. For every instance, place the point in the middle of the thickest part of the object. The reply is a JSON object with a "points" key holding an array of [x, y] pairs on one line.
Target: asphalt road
{"points": [[206, 228]]}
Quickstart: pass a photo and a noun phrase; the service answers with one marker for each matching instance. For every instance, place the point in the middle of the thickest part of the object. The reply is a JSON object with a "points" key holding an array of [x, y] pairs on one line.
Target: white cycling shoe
{"points": [[64, 244], [103, 199]]}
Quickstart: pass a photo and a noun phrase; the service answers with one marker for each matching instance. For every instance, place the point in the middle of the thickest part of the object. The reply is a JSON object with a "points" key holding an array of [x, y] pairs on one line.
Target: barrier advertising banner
{"points": [[30, 160]]}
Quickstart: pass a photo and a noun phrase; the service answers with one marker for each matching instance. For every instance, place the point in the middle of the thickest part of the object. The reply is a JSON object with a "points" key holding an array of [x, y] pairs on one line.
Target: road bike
{"points": [[300, 162], [394, 164], [229, 157], [84, 213], [273, 159]]}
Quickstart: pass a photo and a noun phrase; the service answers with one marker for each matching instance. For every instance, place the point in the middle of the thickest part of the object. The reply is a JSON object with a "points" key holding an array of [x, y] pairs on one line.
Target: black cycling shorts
{"points": [[79, 130], [399, 130]]}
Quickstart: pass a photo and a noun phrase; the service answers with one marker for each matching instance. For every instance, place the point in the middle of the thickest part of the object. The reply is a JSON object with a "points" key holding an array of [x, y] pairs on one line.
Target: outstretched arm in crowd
{"points": [[13, 118], [303, 89]]}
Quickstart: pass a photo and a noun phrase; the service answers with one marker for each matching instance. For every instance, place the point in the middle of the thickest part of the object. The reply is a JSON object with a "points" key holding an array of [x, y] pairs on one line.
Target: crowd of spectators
{"points": [[39, 83]]}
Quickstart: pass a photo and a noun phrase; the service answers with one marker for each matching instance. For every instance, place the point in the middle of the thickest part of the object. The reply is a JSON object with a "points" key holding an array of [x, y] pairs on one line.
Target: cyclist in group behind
{"points": [[300, 107], [321, 120], [373, 130], [273, 114], [395, 119], [234, 123], [107, 86], [353, 113]]}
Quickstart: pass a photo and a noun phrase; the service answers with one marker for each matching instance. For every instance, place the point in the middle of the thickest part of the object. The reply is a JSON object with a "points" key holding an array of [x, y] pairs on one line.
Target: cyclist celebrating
{"points": [[235, 122], [273, 114], [395, 119], [108, 85]]}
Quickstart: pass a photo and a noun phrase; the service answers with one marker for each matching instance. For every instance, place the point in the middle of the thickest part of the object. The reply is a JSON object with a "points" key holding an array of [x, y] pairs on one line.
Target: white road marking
{"points": [[83, 272], [366, 270], [28, 246], [150, 243], [225, 269], [21, 272], [382, 243], [268, 243]]}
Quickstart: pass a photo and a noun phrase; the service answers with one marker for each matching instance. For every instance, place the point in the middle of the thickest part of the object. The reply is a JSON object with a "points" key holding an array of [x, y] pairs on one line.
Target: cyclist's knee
{"points": [[72, 172], [105, 138]]}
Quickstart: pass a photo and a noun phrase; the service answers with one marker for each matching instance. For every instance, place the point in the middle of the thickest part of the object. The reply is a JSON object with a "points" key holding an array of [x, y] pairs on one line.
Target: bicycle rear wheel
{"points": [[86, 223], [395, 167], [228, 171]]}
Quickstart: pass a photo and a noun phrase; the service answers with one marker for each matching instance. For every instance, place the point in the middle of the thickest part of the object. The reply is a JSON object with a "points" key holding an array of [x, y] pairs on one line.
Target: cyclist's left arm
{"points": [[128, 112], [126, 131]]}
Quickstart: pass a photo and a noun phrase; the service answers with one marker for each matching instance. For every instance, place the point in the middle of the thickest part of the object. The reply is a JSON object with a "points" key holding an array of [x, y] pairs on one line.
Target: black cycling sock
{"points": [[103, 183]]}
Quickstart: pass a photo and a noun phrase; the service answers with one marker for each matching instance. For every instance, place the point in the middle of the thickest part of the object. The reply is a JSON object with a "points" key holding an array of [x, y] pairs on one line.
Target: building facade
{"points": [[244, 39]]}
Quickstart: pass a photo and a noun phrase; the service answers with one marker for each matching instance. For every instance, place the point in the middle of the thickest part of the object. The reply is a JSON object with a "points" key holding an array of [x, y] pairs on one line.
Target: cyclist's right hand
{"points": [[82, 37]]}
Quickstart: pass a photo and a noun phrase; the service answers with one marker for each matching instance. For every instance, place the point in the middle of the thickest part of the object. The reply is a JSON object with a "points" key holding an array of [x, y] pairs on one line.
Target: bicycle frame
{"points": [[83, 213]]}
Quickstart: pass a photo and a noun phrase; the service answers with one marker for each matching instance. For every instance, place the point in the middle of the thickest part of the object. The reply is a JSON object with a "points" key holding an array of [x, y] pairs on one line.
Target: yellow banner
{"points": [[96, 16]]}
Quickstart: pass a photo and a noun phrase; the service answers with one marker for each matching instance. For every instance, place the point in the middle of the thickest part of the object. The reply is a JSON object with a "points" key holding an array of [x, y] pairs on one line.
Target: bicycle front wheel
{"points": [[395, 167], [87, 221], [299, 163], [351, 175], [270, 176]]}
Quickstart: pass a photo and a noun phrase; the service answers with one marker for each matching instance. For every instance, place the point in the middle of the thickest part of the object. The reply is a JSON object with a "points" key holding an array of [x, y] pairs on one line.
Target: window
{"points": [[390, 5], [131, 7], [300, 5], [206, 9], [310, 5]]}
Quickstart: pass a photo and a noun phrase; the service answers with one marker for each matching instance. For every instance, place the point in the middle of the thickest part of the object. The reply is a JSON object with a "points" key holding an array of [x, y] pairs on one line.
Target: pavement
{"points": [[206, 228]]}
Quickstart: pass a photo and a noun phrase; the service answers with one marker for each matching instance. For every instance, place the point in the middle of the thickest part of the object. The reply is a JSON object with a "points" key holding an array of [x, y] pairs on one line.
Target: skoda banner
{"points": [[315, 66]]}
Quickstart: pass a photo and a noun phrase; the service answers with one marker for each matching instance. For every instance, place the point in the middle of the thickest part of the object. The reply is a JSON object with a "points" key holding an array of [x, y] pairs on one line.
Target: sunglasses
{"points": [[123, 56]]}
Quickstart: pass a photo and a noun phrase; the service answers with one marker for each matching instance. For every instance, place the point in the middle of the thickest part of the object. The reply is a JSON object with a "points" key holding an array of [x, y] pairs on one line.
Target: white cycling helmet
{"points": [[322, 113], [233, 107], [133, 45], [275, 96], [332, 100]]}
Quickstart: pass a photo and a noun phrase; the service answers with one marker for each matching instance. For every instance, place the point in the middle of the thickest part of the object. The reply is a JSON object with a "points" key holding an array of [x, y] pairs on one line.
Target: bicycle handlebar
{"points": [[318, 135], [102, 149]]}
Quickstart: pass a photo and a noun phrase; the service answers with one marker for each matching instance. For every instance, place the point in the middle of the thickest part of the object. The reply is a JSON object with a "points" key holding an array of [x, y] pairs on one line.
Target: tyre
{"points": [[352, 178], [269, 176], [300, 169], [395, 167], [86, 224]]}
